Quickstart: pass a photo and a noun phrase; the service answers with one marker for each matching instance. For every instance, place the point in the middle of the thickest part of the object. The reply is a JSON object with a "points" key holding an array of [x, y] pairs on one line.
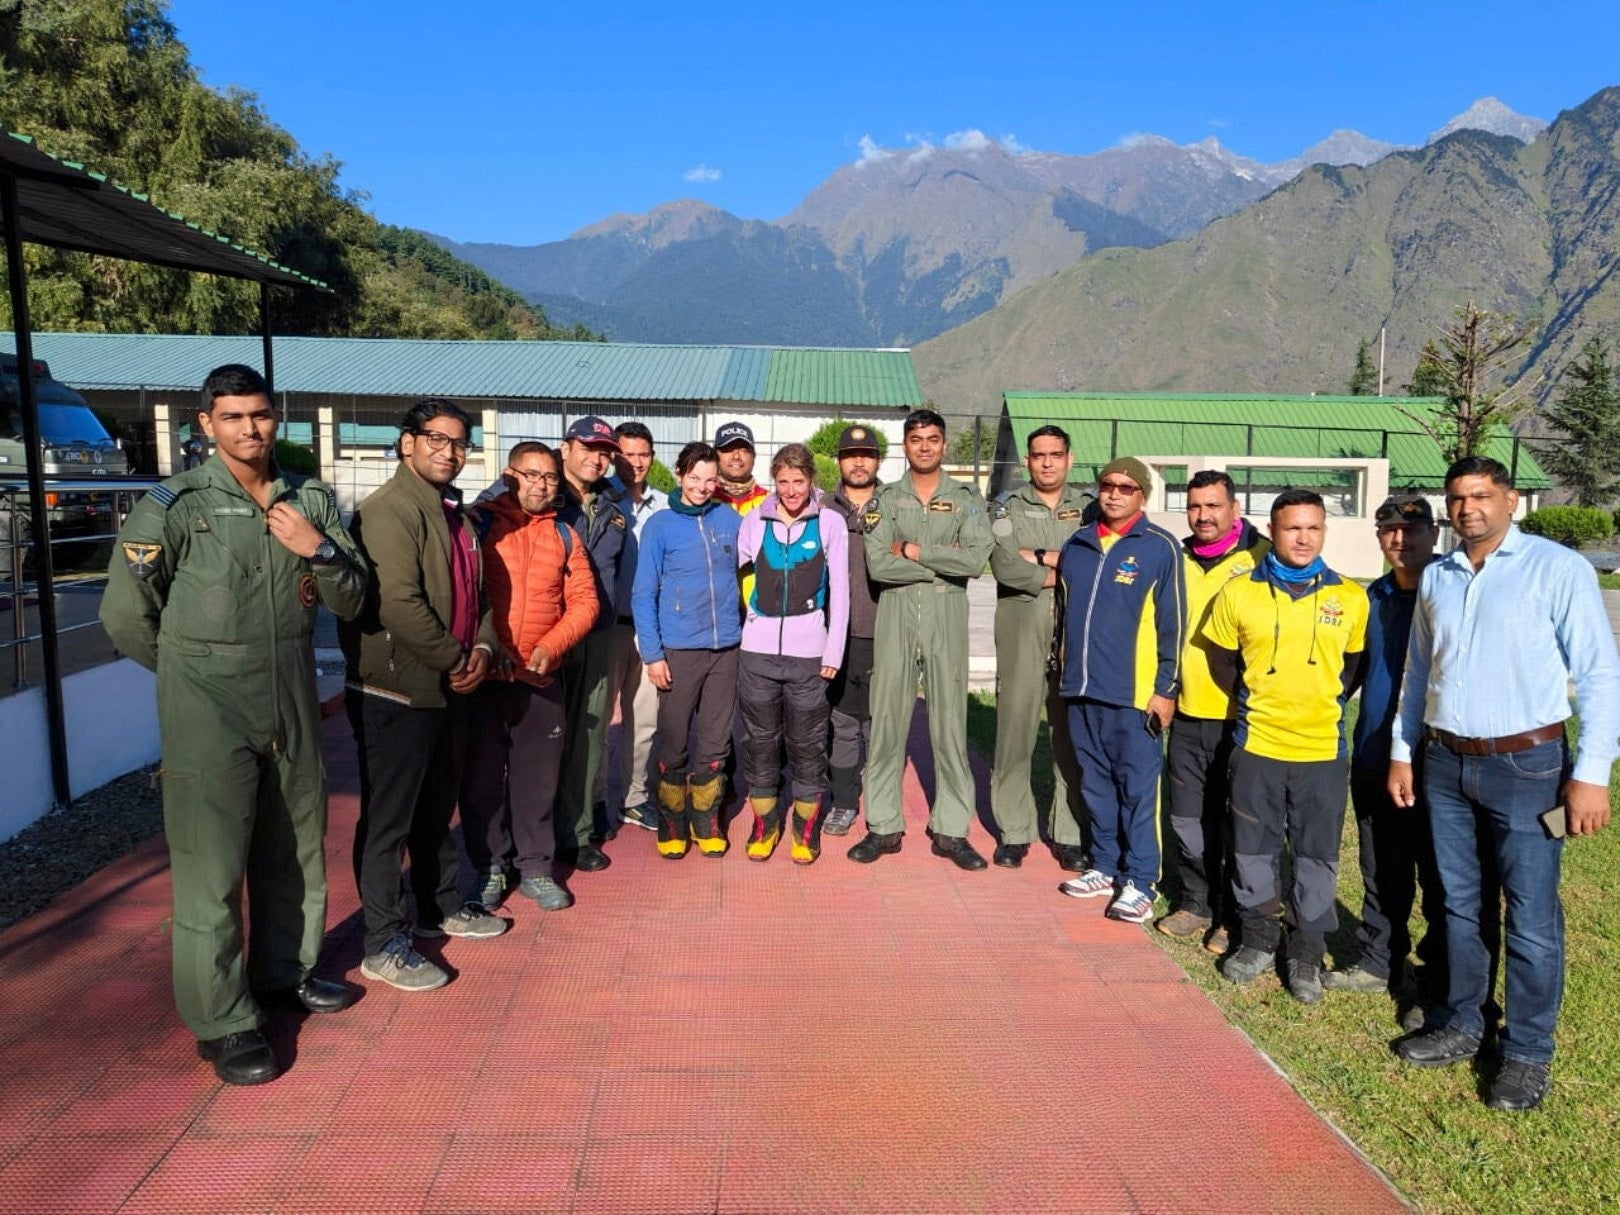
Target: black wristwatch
{"points": [[1040, 557], [325, 552]]}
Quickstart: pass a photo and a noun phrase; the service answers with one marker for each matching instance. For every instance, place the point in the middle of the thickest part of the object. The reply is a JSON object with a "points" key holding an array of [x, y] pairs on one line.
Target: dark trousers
{"points": [[1397, 855], [410, 771], [1120, 767], [694, 716], [784, 703], [1302, 802], [851, 719], [514, 760], [1197, 764]]}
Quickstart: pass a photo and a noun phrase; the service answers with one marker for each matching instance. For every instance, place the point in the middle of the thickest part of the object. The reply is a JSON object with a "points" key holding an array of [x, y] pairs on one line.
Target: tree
{"points": [[1364, 379], [1584, 457], [1472, 351], [1429, 376]]}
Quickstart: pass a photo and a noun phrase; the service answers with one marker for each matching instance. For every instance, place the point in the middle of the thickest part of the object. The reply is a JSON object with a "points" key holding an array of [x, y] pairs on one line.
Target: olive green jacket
{"points": [[197, 570], [952, 532], [400, 647]]}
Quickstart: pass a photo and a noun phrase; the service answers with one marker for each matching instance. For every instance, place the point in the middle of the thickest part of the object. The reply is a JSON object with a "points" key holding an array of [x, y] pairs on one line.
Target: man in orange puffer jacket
{"points": [[542, 596]]}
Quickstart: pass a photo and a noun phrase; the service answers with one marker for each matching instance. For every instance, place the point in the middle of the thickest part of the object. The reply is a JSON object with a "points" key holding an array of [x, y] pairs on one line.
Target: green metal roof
{"points": [[564, 371], [67, 206], [1103, 425]]}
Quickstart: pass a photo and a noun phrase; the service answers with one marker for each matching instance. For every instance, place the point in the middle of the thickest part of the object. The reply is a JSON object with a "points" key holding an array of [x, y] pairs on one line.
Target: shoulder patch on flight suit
{"points": [[998, 508], [617, 519], [141, 559], [947, 508], [873, 516], [1000, 518]]}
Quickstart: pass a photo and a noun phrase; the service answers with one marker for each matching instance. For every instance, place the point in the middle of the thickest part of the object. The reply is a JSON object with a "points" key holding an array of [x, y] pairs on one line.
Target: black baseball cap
{"points": [[731, 434], [1404, 510], [857, 438]]}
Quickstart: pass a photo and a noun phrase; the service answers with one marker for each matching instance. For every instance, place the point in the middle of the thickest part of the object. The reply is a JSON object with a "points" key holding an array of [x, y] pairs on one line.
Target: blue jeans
{"points": [[1501, 797]]}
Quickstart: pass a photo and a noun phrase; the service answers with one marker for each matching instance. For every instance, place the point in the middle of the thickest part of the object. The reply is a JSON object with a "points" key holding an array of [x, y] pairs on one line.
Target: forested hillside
{"points": [[108, 83]]}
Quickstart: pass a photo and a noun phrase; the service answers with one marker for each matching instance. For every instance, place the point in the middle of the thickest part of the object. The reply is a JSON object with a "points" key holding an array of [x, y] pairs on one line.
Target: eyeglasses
{"points": [[1118, 487], [535, 478], [437, 440]]}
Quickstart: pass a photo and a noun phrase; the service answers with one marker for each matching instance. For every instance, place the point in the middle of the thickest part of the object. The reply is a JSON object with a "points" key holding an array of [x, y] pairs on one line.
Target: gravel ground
{"points": [[61, 850]]}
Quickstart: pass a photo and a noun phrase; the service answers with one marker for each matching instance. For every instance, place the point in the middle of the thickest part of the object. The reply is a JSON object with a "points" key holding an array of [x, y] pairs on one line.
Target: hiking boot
{"points": [[1182, 924], [1354, 978], [1520, 1085], [672, 826], [767, 827], [1131, 905], [490, 890], [1303, 980], [1092, 884], [546, 893], [1219, 940], [398, 965], [806, 837], [1439, 1047], [875, 844], [642, 815], [469, 920], [703, 819], [1247, 964], [839, 820]]}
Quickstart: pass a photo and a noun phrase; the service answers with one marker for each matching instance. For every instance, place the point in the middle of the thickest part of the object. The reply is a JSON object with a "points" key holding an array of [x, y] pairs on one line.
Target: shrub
{"points": [[825, 441], [1571, 525], [295, 457], [660, 478], [826, 472]]}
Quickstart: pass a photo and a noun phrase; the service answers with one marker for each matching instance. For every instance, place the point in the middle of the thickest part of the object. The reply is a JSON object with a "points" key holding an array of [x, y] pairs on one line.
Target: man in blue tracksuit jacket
{"points": [[1120, 638]]}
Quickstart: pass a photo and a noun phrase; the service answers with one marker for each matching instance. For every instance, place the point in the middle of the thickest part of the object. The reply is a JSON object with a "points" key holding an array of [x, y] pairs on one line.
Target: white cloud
{"points": [[1010, 142], [1137, 138], [701, 173], [870, 151], [970, 140], [1219, 123]]}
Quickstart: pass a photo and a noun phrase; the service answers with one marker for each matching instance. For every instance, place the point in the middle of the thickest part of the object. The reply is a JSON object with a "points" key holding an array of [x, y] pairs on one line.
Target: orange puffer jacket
{"points": [[534, 600]]}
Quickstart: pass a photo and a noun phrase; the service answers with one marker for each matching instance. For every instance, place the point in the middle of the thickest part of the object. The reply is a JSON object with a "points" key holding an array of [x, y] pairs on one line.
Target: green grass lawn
{"points": [[1609, 582], [1427, 1129]]}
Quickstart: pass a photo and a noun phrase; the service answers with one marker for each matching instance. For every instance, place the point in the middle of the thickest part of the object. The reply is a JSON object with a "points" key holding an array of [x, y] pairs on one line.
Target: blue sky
{"points": [[521, 122]]}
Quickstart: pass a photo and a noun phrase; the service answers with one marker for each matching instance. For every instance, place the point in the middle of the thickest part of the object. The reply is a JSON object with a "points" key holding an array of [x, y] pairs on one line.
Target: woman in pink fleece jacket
{"points": [[795, 621]]}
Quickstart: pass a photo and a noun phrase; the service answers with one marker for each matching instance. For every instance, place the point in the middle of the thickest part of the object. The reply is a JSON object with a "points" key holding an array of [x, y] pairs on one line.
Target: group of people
{"points": [[772, 637]]}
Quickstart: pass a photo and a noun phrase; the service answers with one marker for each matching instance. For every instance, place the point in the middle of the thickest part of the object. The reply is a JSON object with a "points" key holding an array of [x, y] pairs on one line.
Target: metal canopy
{"points": [[65, 205]]}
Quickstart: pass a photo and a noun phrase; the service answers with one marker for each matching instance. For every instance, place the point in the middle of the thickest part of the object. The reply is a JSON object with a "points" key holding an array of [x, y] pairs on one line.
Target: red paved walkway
{"points": [[696, 1036]]}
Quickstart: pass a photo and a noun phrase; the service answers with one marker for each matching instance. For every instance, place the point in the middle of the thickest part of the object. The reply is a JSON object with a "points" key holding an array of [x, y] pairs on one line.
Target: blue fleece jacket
{"points": [[686, 595], [1124, 613]]}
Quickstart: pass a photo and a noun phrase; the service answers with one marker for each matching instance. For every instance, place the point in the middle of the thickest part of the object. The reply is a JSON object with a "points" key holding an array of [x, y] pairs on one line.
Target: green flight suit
{"points": [[1024, 685], [199, 591], [922, 628]]}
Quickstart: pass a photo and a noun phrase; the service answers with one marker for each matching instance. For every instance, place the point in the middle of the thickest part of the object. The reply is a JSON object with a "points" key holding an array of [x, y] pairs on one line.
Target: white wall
{"points": [[112, 729]]}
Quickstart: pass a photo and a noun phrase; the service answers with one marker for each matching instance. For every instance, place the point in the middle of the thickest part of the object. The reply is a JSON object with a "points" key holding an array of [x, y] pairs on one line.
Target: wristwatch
{"points": [[1040, 556], [325, 552]]}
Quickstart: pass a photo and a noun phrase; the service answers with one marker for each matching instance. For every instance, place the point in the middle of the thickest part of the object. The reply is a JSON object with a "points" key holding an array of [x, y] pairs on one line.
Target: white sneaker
{"points": [[1131, 905], [471, 920], [1091, 884]]}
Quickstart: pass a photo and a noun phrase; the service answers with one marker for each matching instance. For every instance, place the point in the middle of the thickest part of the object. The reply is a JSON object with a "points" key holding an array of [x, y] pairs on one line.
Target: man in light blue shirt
{"points": [[1504, 623]]}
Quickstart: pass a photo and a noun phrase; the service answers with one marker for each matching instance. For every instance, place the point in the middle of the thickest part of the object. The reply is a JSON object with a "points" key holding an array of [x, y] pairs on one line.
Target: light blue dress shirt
{"points": [[638, 513], [1493, 652]]}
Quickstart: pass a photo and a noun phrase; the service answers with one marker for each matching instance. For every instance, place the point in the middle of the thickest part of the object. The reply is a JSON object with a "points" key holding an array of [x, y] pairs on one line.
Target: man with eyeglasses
{"points": [[422, 645], [1031, 524], [591, 505], [1123, 615], [1287, 641]]}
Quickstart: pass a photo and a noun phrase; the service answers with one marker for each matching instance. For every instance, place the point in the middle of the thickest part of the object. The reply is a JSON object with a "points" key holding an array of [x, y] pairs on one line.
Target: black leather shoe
{"points": [[1437, 1047], [959, 850], [590, 859], [244, 1058], [1071, 857], [874, 845], [312, 995], [1010, 856], [1519, 1085]]}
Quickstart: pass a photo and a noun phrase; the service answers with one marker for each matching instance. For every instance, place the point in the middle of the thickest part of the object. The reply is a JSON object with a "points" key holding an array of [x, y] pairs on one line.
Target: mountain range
{"points": [[1276, 297], [903, 244]]}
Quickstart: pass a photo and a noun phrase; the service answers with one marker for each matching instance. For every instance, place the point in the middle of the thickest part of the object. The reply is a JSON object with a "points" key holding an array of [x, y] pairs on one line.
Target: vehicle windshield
{"points": [[72, 424]]}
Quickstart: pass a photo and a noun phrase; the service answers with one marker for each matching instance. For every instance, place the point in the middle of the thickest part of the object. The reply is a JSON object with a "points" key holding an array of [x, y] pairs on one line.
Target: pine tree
{"points": [[1472, 350], [1429, 376], [1584, 457], [1364, 379]]}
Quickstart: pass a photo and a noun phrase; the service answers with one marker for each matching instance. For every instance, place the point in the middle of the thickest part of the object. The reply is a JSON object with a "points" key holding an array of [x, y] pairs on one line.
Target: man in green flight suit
{"points": [[926, 535], [1031, 524], [214, 586]]}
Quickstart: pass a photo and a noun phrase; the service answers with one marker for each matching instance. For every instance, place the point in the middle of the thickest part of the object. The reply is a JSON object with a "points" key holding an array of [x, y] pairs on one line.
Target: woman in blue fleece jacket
{"points": [[688, 616]]}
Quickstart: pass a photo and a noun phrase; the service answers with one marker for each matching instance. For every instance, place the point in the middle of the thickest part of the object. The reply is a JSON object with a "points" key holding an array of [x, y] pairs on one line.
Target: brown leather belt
{"points": [[1508, 744]]}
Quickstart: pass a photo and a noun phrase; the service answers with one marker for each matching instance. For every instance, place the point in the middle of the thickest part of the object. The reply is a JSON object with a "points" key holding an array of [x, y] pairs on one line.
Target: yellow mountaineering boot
{"points": [[806, 832], [704, 817], [767, 827], [672, 816]]}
